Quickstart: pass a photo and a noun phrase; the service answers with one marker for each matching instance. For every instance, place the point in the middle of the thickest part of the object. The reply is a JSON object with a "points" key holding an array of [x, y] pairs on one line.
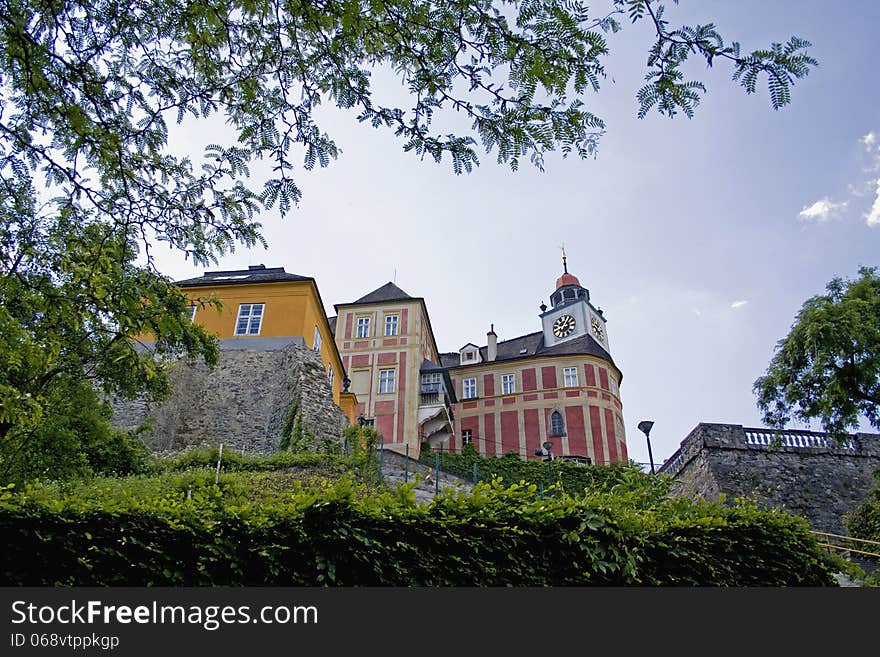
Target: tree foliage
{"points": [[828, 366], [71, 304], [89, 181]]}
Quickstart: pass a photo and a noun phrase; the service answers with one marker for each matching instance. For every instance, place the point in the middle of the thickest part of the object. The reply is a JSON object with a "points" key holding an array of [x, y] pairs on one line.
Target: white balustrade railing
{"points": [[795, 439]]}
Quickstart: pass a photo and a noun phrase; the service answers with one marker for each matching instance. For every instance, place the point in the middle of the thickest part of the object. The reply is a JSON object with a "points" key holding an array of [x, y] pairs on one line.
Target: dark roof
{"points": [[530, 346], [428, 366], [384, 294], [253, 274], [332, 322]]}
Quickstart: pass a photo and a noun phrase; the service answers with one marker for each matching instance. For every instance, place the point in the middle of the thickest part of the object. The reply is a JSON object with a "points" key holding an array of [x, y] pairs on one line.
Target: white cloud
{"points": [[873, 216], [869, 140], [697, 312], [821, 211], [738, 304]]}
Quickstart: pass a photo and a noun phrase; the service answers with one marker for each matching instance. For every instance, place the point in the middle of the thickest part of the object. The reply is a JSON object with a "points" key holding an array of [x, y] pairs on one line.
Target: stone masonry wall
{"points": [[242, 402], [801, 472]]}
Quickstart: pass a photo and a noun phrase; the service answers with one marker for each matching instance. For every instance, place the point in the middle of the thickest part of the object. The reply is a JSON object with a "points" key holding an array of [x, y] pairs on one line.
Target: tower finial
{"points": [[564, 259]]}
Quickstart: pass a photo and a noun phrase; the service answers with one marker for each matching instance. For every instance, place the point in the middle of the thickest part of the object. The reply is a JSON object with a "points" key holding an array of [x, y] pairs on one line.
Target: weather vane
{"points": [[564, 258]]}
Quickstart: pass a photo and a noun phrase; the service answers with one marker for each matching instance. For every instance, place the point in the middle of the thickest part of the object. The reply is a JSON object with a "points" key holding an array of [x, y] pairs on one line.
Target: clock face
{"points": [[563, 326], [597, 328]]}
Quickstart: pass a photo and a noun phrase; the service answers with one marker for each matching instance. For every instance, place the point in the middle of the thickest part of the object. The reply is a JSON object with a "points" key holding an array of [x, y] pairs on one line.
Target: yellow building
{"points": [[262, 307]]}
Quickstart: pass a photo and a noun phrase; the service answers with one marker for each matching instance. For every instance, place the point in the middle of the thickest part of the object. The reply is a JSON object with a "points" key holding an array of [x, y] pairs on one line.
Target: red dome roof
{"points": [[567, 279]]}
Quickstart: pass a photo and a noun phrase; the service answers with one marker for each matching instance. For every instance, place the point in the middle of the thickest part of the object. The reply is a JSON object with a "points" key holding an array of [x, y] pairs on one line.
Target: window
{"points": [[557, 426], [508, 385], [467, 437], [330, 375], [192, 313], [469, 387], [363, 330], [431, 382], [316, 343], [250, 317], [571, 377], [386, 381], [390, 324]]}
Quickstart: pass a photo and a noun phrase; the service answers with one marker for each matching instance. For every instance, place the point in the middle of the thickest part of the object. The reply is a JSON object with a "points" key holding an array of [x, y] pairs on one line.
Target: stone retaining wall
{"points": [[805, 473], [242, 402]]}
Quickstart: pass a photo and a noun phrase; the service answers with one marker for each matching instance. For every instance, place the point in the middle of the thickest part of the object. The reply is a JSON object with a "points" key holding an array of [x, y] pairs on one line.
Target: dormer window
{"points": [[469, 354]]}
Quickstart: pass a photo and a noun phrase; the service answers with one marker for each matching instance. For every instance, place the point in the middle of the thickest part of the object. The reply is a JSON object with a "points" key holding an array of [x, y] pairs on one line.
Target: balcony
{"points": [[435, 414]]}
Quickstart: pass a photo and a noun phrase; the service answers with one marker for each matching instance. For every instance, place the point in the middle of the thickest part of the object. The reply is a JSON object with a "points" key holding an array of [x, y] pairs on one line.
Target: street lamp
{"points": [[548, 446], [645, 427]]}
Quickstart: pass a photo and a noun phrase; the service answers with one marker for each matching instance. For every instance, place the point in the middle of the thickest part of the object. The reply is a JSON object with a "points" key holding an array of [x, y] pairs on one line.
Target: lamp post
{"points": [[645, 427], [548, 446]]}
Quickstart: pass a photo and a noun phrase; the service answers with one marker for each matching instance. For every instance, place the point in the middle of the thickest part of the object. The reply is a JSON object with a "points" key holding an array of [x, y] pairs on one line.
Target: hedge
{"points": [[182, 530], [568, 477]]}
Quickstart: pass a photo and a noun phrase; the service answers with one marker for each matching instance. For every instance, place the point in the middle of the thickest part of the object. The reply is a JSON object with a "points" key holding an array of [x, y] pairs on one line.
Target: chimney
{"points": [[492, 339]]}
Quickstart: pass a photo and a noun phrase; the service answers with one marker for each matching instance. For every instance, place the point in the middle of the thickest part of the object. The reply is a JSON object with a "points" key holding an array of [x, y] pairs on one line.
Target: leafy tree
{"points": [[88, 183], [71, 304], [828, 367]]}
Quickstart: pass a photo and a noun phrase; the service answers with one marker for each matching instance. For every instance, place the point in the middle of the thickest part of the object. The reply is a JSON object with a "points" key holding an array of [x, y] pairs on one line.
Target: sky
{"points": [[699, 238]]}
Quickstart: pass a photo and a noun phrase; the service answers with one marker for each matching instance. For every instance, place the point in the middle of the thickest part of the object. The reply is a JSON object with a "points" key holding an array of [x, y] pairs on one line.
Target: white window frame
{"points": [[570, 376], [317, 341], [431, 382], [192, 313], [469, 391], [467, 437], [508, 384], [246, 313], [387, 381], [469, 355], [363, 323], [392, 325], [330, 375]]}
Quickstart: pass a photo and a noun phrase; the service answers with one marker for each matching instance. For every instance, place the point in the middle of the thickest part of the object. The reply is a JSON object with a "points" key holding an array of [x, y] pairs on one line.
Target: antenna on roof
{"points": [[395, 275]]}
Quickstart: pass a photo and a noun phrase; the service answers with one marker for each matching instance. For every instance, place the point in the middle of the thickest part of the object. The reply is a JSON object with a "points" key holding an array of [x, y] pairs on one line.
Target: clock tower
{"points": [[571, 314]]}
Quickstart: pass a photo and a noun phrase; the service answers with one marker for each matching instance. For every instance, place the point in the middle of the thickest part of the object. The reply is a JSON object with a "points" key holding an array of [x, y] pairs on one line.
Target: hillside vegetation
{"points": [[326, 519]]}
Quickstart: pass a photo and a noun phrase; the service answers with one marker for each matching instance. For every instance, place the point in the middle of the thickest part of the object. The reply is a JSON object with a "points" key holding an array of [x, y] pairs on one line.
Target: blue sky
{"points": [[700, 239]]}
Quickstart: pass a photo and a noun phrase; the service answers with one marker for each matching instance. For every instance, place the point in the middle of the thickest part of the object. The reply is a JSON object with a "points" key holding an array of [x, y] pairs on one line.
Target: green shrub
{"points": [[72, 440], [236, 461], [181, 529], [864, 522], [623, 478]]}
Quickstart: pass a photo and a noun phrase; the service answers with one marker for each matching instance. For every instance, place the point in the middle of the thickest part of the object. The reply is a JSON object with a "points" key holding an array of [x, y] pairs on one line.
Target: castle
{"points": [[555, 391]]}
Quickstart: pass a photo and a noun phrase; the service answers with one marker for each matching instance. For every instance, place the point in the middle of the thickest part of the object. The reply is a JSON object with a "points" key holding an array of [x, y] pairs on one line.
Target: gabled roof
{"points": [[384, 294], [253, 274], [469, 344]]}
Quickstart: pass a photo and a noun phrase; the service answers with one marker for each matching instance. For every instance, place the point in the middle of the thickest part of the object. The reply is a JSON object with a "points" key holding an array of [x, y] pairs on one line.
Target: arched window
{"points": [[557, 426]]}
